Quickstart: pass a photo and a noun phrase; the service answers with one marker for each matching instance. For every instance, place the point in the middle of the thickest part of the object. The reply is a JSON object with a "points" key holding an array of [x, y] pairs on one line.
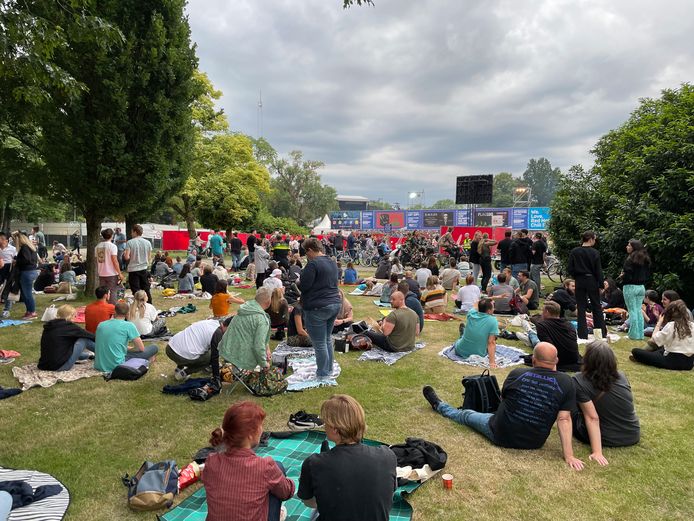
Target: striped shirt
{"points": [[238, 484]]}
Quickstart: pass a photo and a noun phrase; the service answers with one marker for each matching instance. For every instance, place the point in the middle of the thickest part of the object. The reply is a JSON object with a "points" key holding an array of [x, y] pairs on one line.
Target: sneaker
{"points": [[30, 316], [283, 513], [528, 326], [523, 337], [302, 421], [180, 374], [431, 397], [5, 314]]}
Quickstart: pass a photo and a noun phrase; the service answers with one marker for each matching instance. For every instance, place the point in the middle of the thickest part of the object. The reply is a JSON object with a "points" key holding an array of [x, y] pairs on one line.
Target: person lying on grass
{"points": [[238, 483], [352, 480], [532, 400]]}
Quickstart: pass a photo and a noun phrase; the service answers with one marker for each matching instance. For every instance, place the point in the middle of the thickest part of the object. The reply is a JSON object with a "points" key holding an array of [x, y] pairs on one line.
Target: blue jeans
{"points": [[273, 512], [534, 339], [319, 324], [81, 344], [478, 421], [235, 260], [5, 505], [536, 275], [633, 298], [517, 268], [26, 283], [149, 352]]}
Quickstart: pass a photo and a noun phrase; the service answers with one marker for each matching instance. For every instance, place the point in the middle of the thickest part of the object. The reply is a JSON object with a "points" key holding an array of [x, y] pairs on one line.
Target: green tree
{"points": [[297, 190], [444, 204], [127, 136], [502, 191], [379, 205], [642, 186], [543, 180]]}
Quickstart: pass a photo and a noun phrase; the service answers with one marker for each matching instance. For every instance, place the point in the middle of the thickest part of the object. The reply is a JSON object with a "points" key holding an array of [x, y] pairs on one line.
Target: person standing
{"points": [[76, 241], [107, 264], [485, 253], [321, 301], [537, 260], [250, 243], [634, 276], [474, 256], [26, 271], [216, 244], [137, 254], [585, 268], [262, 264], [520, 253], [235, 245], [40, 239], [504, 248], [119, 239]]}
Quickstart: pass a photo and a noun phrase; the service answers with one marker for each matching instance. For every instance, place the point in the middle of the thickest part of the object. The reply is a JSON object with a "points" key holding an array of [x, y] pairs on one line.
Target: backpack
{"points": [[132, 369], [518, 307], [481, 393], [153, 487], [360, 343]]}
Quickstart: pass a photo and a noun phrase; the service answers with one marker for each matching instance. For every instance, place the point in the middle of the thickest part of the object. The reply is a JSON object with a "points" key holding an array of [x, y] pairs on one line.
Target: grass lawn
{"points": [[90, 432]]}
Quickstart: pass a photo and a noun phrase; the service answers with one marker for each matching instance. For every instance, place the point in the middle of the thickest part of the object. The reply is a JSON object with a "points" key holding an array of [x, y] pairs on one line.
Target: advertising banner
{"points": [[345, 219], [462, 218], [520, 218], [396, 220], [414, 220], [367, 220], [437, 218], [492, 217], [538, 218]]}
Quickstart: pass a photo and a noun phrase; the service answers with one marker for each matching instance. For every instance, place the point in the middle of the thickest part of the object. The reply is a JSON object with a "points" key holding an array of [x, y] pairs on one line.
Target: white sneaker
{"points": [[5, 314], [523, 337], [528, 326], [283, 513], [180, 374]]}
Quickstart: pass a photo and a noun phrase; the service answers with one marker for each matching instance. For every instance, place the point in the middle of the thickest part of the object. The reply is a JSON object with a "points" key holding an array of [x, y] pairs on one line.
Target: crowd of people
{"points": [[298, 294]]}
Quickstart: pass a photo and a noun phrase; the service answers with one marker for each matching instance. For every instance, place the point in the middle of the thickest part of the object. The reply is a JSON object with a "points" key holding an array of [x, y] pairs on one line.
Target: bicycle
{"points": [[553, 269]]}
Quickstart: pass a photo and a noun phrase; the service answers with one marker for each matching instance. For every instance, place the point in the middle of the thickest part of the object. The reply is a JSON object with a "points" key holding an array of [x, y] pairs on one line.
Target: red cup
{"points": [[189, 475], [447, 481]]}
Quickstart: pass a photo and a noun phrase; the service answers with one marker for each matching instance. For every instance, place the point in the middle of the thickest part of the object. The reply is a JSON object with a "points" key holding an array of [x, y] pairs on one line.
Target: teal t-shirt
{"points": [[112, 337], [216, 243], [478, 328]]}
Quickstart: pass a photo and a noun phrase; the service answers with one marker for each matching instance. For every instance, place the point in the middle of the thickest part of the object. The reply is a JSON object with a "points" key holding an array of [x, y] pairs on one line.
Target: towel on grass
{"points": [[441, 317], [506, 356], [291, 452], [51, 508], [302, 361], [357, 292], [31, 376], [7, 322], [376, 354], [381, 304]]}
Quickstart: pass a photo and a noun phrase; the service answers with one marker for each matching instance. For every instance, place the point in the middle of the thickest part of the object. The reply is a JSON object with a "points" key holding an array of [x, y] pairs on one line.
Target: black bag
{"points": [[132, 369], [481, 393]]}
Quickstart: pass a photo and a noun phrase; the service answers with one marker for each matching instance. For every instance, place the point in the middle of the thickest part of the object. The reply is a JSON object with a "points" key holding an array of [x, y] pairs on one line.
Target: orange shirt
{"points": [[97, 312], [220, 304]]}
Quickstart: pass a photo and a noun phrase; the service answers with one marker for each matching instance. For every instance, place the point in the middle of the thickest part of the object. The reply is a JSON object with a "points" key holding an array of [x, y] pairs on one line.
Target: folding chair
{"points": [[236, 373]]}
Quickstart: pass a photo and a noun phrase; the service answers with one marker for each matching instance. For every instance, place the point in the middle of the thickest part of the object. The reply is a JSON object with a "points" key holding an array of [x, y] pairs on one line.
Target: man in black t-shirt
{"points": [[532, 400], [235, 245], [585, 268], [537, 259], [520, 252], [566, 298], [558, 332], [352, 481], [474, 256], [250, 242], [504, 248]]}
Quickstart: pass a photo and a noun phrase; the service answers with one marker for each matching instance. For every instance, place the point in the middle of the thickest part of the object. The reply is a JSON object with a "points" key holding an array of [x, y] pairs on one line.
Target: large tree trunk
{"points": [[93, 238], [6, 216], [129, 223]]}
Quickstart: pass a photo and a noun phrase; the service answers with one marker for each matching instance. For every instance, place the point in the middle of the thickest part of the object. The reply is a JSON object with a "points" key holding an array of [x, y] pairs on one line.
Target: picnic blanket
{"points": [[31, 376], [7, 322], [357, 292], [611, 337], [302, 361], [376, 354], [381, 304], [440, 317], [291, 452], [79, 317], [506, 356], [51, 508]]}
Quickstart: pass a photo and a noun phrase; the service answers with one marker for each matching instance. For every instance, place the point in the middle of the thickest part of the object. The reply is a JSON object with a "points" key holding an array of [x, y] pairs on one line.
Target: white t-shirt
{"points": [[272, 283], [140, 250], [422, 274], [467, 296], [8, 254], [194, 340], [144, 324], [221, 273], [668, 338], [104, 250]]}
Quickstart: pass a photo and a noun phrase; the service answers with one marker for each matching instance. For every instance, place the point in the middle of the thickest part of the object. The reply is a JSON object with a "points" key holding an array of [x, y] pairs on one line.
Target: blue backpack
{"points": [[153, 487]]}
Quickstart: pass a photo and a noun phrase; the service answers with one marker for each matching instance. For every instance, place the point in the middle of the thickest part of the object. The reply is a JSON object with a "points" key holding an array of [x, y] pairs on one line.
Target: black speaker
{"points": [[474, 189]]}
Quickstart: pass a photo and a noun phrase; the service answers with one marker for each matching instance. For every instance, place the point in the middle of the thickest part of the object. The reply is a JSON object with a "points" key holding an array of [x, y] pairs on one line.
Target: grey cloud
{"points": [[405, 91]]}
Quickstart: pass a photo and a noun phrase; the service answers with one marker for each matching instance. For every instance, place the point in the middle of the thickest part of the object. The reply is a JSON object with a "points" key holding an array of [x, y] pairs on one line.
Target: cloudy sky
{"points": [[409, 94]]}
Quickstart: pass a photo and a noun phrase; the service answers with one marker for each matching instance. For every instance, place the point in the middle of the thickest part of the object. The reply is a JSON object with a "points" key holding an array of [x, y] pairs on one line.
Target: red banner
{"points": [[458, 233]]}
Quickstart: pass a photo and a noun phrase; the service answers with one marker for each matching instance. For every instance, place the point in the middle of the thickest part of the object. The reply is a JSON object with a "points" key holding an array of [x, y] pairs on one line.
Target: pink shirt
{"points": [[104, 250], [238, 485]]}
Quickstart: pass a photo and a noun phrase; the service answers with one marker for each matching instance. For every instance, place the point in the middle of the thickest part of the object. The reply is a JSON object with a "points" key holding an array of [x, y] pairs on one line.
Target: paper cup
{"points": [[447, 481]]}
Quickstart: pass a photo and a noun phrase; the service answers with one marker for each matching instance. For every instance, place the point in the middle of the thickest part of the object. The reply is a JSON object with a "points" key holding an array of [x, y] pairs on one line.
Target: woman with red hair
{"points": [[239, 484]]}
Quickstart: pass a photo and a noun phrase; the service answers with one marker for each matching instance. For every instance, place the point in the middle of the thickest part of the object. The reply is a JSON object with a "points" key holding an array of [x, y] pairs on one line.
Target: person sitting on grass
{"points": [[396, 268], [565, 296], [245, 345], [468, 295], [532, 399], [501, 294], [351, 481], [528, 291], [219, 304], [220, 271], [250, 272], [606, 416], [46, 278], [161, 269], [479, 335], [67, 274], [557, 331], [190, 349], [450, 276], [399, 329], [297, 336], [434, 297], [345, 317], [274, 281], [99, 310], [510, 279], [238, 483], [177, 266], [674, 333], [63, 343], [145, 316], [278, 313], [208, 280], [112, 339], [412, 302], [388, 289], [185, 280], [351, 275]]}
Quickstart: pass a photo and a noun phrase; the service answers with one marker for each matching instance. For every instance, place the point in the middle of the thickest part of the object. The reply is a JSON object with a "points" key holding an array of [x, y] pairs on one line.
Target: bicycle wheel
{"points": [[373, 262], [554, 272]]}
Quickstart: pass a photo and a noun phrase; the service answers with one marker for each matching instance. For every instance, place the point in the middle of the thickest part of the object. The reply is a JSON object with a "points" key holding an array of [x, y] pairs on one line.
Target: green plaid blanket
{"points": [[291, 452]]}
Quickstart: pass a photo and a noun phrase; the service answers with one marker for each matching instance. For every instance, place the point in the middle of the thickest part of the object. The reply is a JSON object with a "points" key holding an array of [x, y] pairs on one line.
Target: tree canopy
{"points": [[642, 186], [543, 180]]}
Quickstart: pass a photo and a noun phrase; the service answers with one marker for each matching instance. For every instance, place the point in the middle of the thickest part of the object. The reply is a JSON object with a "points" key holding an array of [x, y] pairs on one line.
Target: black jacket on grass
{"points": [[57, 342]]}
